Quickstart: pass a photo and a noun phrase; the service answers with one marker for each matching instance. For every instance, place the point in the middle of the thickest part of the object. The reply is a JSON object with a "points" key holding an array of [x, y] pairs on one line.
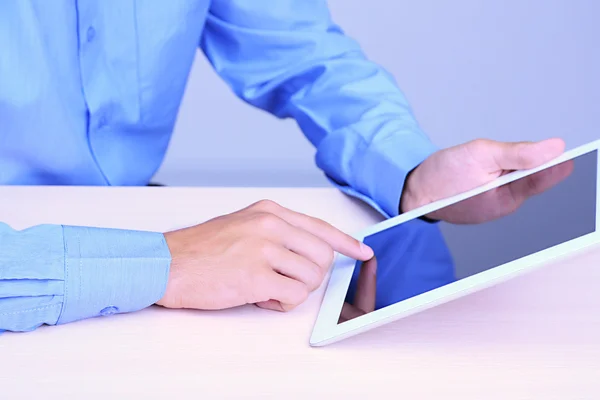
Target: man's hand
{"points": [[467, 166], [264, 254]]}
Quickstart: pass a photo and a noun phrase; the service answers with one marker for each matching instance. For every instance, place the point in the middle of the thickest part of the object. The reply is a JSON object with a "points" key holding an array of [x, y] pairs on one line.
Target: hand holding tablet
{"points": [[503, 200], [504, 227], [467, 166]]}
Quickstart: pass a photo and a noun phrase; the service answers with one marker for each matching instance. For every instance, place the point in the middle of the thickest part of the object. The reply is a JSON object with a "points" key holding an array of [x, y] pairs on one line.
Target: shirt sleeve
{"points": [[53, 274], [290, 59]]}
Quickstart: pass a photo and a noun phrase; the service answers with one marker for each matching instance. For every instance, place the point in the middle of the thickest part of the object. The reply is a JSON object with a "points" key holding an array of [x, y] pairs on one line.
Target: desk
{"points": [[516, 340]]}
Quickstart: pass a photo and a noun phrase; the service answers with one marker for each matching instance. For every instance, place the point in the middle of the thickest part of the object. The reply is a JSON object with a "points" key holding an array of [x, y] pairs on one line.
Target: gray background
{"points": [[506, 70]]}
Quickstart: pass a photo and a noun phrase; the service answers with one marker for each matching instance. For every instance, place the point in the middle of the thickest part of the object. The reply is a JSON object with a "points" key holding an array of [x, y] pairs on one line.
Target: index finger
{"points": [[338, 240]]}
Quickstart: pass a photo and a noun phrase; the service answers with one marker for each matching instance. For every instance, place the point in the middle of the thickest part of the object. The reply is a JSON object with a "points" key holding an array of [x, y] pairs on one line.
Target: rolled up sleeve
{"points": [[293, 61]]}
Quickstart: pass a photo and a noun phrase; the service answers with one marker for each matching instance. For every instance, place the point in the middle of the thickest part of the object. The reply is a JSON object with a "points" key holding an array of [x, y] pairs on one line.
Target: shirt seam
{"points": [[66, 281], [168, 269], [137, 62], [30, 310], [80, 264]]}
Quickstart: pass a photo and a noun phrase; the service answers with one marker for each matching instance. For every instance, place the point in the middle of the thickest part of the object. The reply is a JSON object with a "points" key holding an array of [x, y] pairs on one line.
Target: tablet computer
{"points": [[462, 244]]}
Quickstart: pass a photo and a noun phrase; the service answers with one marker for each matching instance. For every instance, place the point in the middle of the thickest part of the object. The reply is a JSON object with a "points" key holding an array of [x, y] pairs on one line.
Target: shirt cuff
{"points": [[380, 171], [109, 271]]}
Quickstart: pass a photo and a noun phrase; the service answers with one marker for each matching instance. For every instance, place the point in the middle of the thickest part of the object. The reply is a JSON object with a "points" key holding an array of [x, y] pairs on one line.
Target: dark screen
{"points": [[504, 224]]}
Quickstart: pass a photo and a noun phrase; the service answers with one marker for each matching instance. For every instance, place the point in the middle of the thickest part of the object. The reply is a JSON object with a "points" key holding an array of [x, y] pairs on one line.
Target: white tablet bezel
{"points": [[326, 329]]}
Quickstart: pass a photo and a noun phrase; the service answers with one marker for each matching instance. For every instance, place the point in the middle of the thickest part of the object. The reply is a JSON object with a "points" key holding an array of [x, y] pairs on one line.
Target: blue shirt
{"points": [[89, 93]]}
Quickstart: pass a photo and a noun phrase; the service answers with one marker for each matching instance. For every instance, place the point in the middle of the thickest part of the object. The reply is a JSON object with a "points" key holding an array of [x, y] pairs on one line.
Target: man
{"points": [[89, 92]]}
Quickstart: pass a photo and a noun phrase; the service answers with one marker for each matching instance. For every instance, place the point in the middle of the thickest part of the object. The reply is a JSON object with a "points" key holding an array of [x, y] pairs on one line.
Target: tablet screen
{"points": [[512, 221]]}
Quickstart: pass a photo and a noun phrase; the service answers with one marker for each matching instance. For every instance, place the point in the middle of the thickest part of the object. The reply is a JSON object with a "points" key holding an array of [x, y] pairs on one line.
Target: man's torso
{"points": [[89, 90]]}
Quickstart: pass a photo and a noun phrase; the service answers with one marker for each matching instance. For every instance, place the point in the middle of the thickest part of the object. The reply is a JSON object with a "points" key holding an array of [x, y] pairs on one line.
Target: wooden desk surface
{"points": [[537, 336]]}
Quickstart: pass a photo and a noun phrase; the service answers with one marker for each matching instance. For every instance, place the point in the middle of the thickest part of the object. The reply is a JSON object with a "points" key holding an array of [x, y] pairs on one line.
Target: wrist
{"points": [[169, 300], [409, 200], [412, 199]]}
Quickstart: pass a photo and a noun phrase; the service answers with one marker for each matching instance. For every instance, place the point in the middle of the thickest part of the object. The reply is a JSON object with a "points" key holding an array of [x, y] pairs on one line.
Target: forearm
{"points": [[295, 62], [52, 274], [365, 134]]}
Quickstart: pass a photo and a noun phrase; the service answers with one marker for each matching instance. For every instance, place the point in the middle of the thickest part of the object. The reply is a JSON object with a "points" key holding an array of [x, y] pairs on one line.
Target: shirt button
{"points": [[102, 122], [91, 34], [109, 311]]}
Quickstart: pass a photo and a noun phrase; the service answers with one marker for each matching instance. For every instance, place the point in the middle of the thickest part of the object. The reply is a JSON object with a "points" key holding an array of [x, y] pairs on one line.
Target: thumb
{"points": [[524, 155]]}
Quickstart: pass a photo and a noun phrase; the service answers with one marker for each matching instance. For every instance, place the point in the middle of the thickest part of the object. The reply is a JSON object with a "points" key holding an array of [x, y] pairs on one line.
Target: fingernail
{"points": [[366, 250]]}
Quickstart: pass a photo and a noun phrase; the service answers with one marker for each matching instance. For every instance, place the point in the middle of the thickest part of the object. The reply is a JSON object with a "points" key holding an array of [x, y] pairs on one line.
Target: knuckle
{"points": [[265, 205], [288, 307], [330, 257], [480, 142], [477, 145], [256, 290], [326, 256], [316, 279], [322, 224], [301, 294], [266, 249], [266, 221]]}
